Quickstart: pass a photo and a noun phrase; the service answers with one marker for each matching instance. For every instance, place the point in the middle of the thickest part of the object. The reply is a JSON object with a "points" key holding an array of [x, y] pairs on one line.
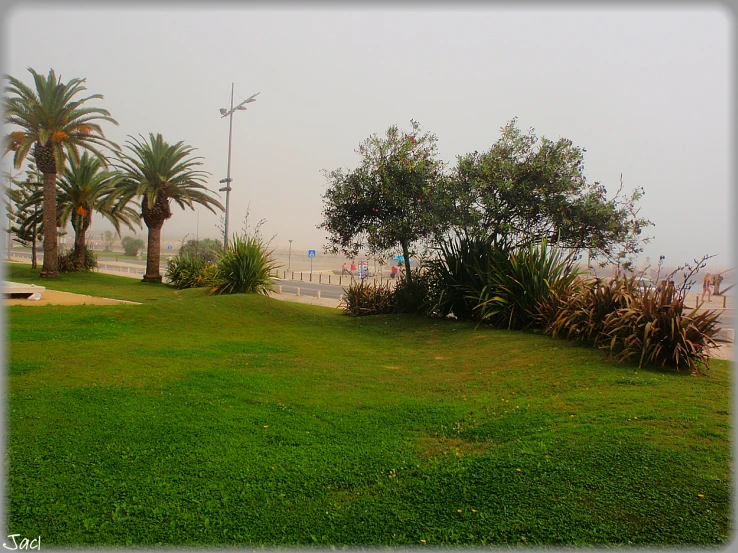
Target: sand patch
{"points": [[55, 297]]}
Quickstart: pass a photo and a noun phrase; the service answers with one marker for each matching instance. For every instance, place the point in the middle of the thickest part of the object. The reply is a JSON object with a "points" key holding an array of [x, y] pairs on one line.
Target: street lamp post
{"points": [[227, 188], [10, 222], [289, 258]]}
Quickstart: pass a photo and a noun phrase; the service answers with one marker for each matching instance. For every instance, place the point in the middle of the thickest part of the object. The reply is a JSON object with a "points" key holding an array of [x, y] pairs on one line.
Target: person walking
{"points": [[660, 287], [393, 271], [706, 283], [353, 268], [344, 269], [671, 292]]}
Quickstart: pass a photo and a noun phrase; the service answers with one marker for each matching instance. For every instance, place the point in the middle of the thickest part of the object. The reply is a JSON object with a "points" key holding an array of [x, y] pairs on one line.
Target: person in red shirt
{"points": [[393, 271], [353, 268]]}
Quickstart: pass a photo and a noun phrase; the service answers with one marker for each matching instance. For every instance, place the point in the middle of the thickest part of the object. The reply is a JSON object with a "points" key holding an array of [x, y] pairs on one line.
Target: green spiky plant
{"points": [[458, 275], [70, 262], [244, 267], [519, 282], [184, 271]]}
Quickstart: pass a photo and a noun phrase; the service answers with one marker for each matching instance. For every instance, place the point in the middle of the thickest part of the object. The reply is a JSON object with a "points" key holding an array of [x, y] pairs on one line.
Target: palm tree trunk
{"points": [[80, 235], [153, 254], [50, 267], [79, 247]]}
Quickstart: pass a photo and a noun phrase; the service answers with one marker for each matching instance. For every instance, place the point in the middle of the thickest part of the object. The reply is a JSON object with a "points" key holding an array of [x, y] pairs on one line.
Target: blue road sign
{"points": [[169, 247], [311, 253]]}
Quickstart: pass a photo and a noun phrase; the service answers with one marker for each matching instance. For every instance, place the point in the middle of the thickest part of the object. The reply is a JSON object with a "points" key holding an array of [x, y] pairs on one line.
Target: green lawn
{"points": [[198, 420]]}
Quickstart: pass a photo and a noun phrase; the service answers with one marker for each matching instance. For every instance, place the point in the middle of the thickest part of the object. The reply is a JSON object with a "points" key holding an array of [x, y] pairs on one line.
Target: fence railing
{"points": [[309, 292], [121, 269], [321, 278]]}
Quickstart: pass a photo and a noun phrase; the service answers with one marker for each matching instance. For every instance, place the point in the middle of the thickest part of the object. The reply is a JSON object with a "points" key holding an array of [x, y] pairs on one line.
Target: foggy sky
{"points": [[647, 92]]}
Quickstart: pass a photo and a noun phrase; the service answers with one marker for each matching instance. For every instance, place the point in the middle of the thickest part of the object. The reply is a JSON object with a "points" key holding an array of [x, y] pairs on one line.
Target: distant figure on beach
{"points": [[353, 268], [393, 271], [706, 283], [344, 269], [660, 287], [671, 292]]}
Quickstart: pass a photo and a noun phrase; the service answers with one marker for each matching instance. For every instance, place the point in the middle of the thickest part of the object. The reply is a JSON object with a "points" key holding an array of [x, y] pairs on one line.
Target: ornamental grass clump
{"points": [[459, 275], [69, 262], [186, 271], [362, 298], [651, 327], [520, 282], [245, 266], [655, 329], [581, 315]]}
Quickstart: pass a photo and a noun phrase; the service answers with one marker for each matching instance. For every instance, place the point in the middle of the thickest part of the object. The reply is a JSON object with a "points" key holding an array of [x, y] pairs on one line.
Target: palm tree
{"points": [[158, 173], [85, 187], [54, 124]]}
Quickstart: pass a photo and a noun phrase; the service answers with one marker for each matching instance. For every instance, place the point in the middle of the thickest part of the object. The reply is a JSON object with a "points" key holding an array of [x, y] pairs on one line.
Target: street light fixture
{"points": [[227, 181]]}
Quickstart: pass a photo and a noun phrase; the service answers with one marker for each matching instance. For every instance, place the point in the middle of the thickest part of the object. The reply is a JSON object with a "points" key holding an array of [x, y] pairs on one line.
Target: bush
{"points": [[655, 329], [520, 282], [244, 267], [207, 276], [417, 296], [581, 315], [362, 298], [650, 326], [207, 249], [185, 271], [68, 262], [131, 245], [457, 277]]}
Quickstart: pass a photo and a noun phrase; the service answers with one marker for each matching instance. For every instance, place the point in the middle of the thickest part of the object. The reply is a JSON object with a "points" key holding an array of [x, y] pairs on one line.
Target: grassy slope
{"points": [[205, 420]]}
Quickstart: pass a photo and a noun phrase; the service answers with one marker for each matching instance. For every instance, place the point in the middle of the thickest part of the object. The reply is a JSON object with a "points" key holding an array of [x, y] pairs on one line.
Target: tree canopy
{"points": [[159, 173], [57, 123], [525, 190], [386, 203]]}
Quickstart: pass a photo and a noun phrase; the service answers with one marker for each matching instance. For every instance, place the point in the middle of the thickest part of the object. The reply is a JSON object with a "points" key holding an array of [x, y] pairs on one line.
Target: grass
{"points": [[204, 420]]}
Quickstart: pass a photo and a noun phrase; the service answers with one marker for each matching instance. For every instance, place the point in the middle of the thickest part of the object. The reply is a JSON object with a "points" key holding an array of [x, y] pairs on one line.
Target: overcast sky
{"points": [[648, 92]]}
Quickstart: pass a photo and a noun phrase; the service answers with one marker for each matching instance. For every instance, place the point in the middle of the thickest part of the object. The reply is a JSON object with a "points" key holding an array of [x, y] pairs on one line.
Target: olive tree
{"points": [[525, 189], [387, 203]]}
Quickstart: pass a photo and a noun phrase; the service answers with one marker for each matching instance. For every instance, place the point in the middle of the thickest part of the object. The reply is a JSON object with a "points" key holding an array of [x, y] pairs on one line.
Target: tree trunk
{"points": [[154, 217], [80, 235], [50, 267], [153, 254], [34, 262], [406, 256]]}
